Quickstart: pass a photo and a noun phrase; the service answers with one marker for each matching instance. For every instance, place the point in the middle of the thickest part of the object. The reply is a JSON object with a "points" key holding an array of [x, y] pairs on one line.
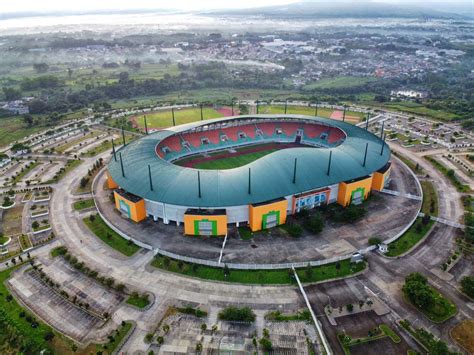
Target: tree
{"points": [[28, 119], [11, 94], [266, 344], [84, 182], [467, 285], [243, 109], [315, 224], [149, 338], [418, 291], [40, 67], [236, 314]]}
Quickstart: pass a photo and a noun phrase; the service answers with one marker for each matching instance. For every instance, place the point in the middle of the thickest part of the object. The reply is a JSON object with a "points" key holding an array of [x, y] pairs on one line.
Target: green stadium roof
{"points": [[271, 175]]}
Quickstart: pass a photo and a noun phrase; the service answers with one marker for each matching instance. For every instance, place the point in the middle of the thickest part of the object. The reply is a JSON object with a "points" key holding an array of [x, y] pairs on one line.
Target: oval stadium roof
{"points": [[271, 175]]}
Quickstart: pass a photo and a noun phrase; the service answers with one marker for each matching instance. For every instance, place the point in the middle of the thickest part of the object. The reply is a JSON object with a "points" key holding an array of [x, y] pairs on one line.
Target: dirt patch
{"points": [[463, 334]]}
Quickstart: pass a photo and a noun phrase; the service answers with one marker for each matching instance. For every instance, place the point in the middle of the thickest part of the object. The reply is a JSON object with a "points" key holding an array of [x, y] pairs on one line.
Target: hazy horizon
{"points": [[54, 6]]}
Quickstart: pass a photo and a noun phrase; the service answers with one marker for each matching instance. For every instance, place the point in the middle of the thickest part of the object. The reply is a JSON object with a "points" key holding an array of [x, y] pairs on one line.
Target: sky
{"points": [[84, 5], [88, 5]]}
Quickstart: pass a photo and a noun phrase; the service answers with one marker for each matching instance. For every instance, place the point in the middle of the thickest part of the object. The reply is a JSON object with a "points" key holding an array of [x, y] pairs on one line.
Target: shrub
{"points": [[266, 344], [315, 224], [374, 241], [236, 314], [467, 285]]}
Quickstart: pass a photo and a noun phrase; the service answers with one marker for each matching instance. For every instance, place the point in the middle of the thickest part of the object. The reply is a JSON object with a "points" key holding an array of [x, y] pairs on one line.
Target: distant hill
{"points": [[337, 8]]}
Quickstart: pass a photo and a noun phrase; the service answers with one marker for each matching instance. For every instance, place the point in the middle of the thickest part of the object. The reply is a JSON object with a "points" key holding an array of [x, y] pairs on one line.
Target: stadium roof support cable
{"points": [[365, 154], [250, 181], [329, 162], [294, 171], [123, 137], [113, 150], [149, 176], [146, 127], [172, 114], [199, 184], [121, 164]]}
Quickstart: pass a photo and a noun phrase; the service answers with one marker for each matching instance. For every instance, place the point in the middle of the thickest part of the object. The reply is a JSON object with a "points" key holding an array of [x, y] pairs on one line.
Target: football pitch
{"points": [[224, 160]]}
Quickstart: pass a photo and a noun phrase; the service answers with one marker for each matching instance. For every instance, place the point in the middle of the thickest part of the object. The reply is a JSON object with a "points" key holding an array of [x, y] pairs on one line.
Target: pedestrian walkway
{"points": [[445, 221], [397, 193]]}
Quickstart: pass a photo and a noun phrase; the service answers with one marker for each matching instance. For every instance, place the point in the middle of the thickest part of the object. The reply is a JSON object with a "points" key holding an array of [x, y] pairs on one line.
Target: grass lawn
{"points": [[445, 171], [410, 163], [109, 237], [442, 310], [90, 180], [259, 277], [83, 204], [233, 162], [161, 119], [112, 344], [102, 147], [429, 197], [390, 333], [463, 334], [138, 301], [25, 242], [16, 325], [339, 82], [409, 238], [308, 111]]}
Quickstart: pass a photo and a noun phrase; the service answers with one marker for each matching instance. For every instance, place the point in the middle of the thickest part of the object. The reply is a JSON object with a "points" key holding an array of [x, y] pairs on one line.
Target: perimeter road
{"points": [[327, 348]]}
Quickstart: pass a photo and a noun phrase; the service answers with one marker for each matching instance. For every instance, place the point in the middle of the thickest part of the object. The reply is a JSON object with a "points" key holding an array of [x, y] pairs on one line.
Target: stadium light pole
{"points": [[365, 155], [257, 107], [381, 133], [202, 117], [344, 114], [172, 115], [329, 162], [250, 181], [121, 164], [286, 105], [383, 144], [113, 150], [146, 126], [199, 184], [367, 121], [123, 137], [232, 105], [294, 171], [316, 109], [149, 176]]}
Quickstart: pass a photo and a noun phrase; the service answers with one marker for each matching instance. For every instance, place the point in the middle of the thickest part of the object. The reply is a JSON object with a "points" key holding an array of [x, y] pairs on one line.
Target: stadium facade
{"points": [[330, 162]]}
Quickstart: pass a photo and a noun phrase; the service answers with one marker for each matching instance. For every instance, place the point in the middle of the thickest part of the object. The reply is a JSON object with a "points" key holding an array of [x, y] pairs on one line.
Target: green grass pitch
{"points": [[162, 119]]}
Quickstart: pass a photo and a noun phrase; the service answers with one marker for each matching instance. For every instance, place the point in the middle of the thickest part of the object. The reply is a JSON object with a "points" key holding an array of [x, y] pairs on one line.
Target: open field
{"points": [[13, 128], [11, 223], [109, 237], [463, 334], [260, 277], [339, 82], [420, 109], [450, 174], [351, 116], [161, 119]]}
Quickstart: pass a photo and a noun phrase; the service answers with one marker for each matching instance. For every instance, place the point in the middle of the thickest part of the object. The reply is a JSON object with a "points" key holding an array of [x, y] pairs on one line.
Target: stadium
{"points": [[250, 170]]}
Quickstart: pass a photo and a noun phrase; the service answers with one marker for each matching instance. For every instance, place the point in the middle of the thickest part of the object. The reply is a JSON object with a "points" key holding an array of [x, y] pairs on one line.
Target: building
{"points": [[311, 161]]}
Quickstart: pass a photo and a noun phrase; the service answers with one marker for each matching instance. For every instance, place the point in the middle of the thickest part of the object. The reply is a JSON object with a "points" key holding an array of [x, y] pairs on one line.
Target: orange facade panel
{"points": [[267, 214], [354, 191], [111, 184], [205, 224], [130, 206], [380, 177]]}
